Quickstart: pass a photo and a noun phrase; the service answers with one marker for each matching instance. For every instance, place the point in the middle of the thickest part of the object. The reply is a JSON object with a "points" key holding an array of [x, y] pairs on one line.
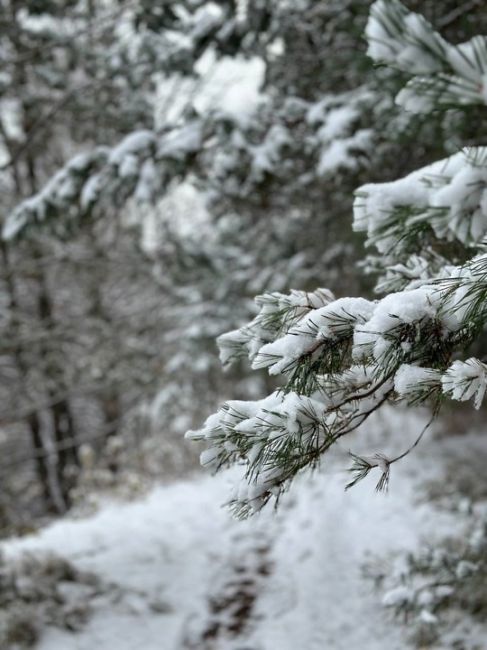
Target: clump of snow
{"points": [[465, 380], [396, 597], [231, 86], [402, 308], [410, 378]]}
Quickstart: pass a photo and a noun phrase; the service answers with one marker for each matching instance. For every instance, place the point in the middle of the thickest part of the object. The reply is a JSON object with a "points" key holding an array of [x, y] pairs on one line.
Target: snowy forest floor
{"points": [[174, 571]]}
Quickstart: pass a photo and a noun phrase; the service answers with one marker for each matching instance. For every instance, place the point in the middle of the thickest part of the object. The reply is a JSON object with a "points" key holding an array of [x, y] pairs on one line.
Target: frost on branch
{"points": [[448, 75]]}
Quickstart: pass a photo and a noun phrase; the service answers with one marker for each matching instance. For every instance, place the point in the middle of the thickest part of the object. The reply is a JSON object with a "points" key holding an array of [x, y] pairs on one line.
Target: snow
{"points": [[45, 24], [468, 59], [206, 19], [247, 429], [171, 99], [342, 153], [337, 139], [179, 142], [182, 208], [448, 196], [397, 36], [147, 184], [230, 85], [332, 321], [59, 193], [336, 122], [393, 310], [465, 380], [137, 143], [409, 378], [266, 156], [277, 313], [181, 563], [397, 596], [452, 73]]}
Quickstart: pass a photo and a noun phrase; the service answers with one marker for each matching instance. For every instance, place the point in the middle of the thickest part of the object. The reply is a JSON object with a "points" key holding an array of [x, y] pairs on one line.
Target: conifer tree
{"points": [[340, 360]]}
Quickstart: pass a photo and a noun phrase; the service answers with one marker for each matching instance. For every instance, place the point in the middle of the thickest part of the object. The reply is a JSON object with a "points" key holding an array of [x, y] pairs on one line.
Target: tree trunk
{"points": [[33, 422], [64, 432]]}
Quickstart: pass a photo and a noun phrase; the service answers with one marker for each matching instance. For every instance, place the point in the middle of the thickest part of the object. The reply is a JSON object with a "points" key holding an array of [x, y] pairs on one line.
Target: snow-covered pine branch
{"points": [[446, 75], [411, 220], [229, 156], [139, 167], [443, 201], [341, 360]]}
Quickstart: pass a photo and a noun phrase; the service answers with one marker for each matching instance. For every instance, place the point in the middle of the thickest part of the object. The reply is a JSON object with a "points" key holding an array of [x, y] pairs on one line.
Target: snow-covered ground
{"points": [[180, 573]]}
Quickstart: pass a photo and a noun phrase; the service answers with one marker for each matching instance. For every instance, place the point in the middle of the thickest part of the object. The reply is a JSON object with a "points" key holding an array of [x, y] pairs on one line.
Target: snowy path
{"points": [[190, 578]]}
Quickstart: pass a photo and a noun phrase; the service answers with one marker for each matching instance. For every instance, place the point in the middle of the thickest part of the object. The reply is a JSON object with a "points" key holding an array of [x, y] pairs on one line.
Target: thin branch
{"points": [[458, 12]]}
